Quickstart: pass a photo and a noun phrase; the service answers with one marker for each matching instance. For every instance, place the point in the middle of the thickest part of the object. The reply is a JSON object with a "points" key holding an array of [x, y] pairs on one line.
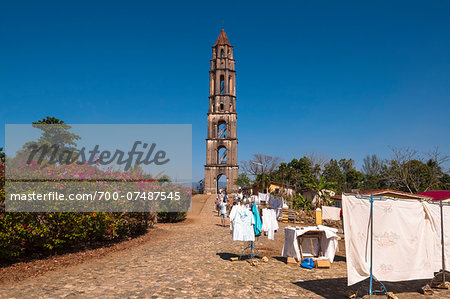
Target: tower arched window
{"points": [[222, 84], [222, 155], [222, 53], [222, 129]]}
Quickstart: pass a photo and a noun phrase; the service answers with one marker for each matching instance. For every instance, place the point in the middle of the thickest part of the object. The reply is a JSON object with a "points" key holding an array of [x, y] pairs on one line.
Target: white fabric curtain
{"points": [[405, 239]]}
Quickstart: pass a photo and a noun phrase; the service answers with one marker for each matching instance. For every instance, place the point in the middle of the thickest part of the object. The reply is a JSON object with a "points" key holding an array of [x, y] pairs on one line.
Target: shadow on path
{"points": [[226, 256], [337, 287]]}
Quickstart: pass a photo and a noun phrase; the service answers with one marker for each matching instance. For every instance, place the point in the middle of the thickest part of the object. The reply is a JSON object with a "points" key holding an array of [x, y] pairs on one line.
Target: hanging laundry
{"points": [[255, 200], [277, 205], [264, 197], [258, 223], [241, 224], [331, 213], [404, 239], [269, 223]]}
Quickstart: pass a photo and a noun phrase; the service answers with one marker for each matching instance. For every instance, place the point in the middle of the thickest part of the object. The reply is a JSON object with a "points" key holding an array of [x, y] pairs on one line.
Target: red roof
{"points": [[222, 39], [437, 194], [387, 191]]}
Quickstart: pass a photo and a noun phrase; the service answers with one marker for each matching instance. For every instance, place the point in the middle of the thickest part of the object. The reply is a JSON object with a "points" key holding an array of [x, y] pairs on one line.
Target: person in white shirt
{"points": [[223, 213]]}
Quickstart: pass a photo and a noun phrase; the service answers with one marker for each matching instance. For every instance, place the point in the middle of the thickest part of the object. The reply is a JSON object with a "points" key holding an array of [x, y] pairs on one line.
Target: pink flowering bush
{"points": [[23, 234]]}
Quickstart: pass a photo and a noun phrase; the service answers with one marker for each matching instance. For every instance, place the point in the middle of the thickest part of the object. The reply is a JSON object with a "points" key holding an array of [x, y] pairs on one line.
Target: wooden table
{"points": [[312, 234]]}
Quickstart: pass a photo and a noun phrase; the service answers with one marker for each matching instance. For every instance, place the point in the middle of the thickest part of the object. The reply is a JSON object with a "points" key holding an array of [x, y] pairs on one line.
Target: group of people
{"points": [[222, 208], [224, 205]]}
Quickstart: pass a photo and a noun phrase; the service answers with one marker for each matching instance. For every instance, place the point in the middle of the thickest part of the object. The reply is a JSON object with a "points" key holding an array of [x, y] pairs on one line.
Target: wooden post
{"points": [[318, 216]]}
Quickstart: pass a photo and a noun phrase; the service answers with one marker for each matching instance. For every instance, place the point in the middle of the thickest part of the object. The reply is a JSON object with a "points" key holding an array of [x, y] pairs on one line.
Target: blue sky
{"points": [[340, 79]]}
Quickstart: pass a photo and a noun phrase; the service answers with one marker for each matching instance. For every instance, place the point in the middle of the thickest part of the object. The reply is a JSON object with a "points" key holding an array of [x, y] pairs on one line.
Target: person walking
{"points": [[217, 202], [223, 213]]}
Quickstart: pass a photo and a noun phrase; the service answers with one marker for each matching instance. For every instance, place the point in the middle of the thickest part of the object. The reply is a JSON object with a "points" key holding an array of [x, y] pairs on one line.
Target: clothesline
{"points": [[246, 223], [406, 236]]}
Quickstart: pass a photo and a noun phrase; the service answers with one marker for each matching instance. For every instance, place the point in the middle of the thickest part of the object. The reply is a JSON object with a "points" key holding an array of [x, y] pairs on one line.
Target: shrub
{"points": [[171, 217], [25, 234], [22, 234], [299, 202]]}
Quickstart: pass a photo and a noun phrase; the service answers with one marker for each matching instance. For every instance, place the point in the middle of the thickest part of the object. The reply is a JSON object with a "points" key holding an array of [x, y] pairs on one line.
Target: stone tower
{"points": [[221, 144]]}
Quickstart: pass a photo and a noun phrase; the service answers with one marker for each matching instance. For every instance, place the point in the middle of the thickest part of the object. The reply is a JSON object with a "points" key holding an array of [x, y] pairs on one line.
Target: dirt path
{"points": [[191, 260]]}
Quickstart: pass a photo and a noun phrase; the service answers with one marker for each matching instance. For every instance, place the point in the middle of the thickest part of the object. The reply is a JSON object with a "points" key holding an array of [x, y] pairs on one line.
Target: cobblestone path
{"points": [[193, 260]]}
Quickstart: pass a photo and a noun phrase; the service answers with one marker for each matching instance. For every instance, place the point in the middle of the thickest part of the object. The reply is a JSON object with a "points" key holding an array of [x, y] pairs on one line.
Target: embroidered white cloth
{"points": [[404, 242], [331, 213], [269, 223], [329, 243], [241, 223]]}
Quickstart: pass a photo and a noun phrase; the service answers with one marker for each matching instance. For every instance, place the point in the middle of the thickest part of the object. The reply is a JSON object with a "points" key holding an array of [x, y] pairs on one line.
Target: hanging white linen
{"points": [[403, 240], [269, 223], [329, 244], [331, 213]]}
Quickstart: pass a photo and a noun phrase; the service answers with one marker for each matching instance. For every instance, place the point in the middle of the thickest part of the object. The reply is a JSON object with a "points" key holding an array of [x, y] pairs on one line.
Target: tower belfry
{"points": [[221, 143]]}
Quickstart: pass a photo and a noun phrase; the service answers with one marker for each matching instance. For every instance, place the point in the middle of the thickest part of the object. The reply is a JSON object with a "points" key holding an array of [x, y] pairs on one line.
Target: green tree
{"points": [[374, 171], [333, 173], [411, 173], [49, 121], [444, 182], [353, 178], [262, 180], [242, 181], [343, 174], [55, 143], [297, 172], [319, 186], [301, 202]]}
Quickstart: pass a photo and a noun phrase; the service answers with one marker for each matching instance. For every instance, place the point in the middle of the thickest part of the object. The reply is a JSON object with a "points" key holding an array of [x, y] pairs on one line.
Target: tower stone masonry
{"points": [[221, 141]]}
